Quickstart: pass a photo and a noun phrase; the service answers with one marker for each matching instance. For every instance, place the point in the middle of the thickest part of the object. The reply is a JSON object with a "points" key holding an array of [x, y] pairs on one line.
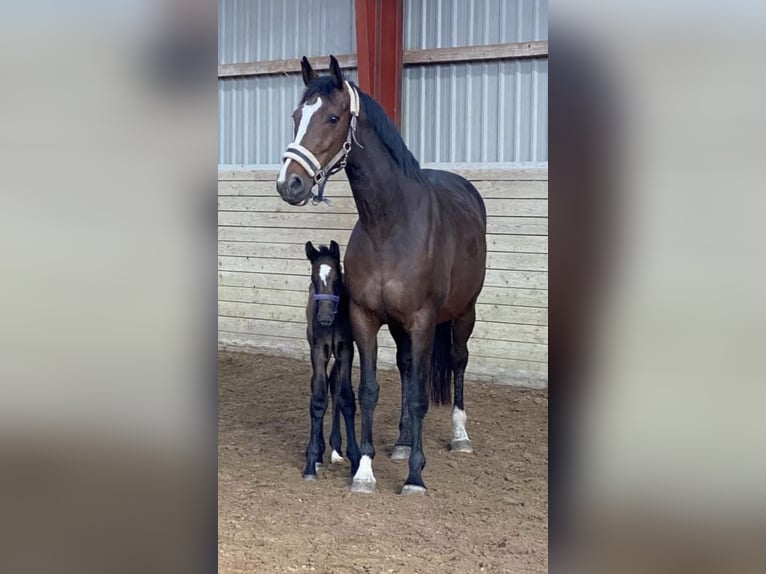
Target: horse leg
{"points": [[336, 441], [317, 408], [365, 330], [422, 337], [347, 403], [403, 445], [462, 327]]}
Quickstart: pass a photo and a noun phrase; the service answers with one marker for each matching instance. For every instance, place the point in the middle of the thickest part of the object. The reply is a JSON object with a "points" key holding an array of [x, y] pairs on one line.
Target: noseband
{"points": [[319, 174], [325, 297]]}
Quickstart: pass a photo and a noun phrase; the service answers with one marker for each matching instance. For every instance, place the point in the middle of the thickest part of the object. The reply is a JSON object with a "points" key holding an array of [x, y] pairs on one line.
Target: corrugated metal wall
{"points": [[254, 124], [256, 30], [468, 112], [476, 112]]}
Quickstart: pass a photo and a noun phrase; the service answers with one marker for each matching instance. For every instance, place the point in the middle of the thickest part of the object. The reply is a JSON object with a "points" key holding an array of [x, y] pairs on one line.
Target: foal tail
{"points": [[440, 380]]}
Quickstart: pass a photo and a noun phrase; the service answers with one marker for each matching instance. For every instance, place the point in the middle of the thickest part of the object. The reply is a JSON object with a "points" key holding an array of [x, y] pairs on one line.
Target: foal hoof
{"points": [[309, 477], [408, 489], [335, 457], [401, 452], [461, 445], [363, 486]]}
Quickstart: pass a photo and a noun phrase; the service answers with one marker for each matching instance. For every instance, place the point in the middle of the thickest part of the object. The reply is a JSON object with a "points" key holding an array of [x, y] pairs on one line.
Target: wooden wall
{"points": [[263, 274]]}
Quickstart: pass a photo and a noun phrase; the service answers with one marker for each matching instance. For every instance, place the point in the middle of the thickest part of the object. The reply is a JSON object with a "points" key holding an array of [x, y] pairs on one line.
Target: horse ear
{"points": [[309, 75], [337, 75], [335, 250], [311, 252]]}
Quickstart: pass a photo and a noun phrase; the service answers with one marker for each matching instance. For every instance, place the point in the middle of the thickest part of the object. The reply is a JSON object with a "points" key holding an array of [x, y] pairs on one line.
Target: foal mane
{"points": [[324, 251], [377, 119]]}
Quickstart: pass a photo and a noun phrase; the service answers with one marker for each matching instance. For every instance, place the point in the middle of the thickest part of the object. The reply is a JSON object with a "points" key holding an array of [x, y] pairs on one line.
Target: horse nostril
{"points": [[295, 183]]}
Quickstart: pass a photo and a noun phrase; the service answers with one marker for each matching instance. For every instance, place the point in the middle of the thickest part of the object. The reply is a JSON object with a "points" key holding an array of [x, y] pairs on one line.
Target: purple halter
{"points": [[325, 297]]}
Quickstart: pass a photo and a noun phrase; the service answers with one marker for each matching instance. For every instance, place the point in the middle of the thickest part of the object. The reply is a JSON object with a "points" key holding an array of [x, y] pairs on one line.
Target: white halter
{"points": [[310, 163]]}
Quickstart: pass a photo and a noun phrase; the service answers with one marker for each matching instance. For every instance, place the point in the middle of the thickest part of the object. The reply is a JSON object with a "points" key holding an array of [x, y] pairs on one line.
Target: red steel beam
{"points": [[379, 26]]}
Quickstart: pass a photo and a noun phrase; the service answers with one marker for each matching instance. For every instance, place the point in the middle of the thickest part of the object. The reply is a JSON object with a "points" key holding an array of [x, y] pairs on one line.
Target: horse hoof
{"points": [[408, 489], [461, 445], [401, 452], [317, 466], [309, 477], [335, 457], [363, 486]]}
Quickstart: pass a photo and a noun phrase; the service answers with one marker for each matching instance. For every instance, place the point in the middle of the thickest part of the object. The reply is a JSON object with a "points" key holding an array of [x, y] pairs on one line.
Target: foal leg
{"points": [[335, 438], [422, 337], [462, 327], [317, 407], [403, 445], [365, 330]]}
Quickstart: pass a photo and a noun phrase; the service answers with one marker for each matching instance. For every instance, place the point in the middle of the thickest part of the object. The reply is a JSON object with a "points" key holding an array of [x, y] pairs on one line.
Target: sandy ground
{"points": [[484, 512]]}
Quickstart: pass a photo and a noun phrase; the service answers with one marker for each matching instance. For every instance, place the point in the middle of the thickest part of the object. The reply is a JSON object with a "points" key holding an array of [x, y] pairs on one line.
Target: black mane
{"points": [[378, 120]]}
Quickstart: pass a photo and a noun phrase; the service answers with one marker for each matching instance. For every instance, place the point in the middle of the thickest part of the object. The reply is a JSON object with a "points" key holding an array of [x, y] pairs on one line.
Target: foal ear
{"points": [[337, 75], [311, 253], [309, 75], [335, 250]]}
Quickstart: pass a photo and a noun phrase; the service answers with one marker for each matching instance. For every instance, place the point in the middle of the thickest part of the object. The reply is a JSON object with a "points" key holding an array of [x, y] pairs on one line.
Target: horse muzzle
{"points": [[294, 191]]}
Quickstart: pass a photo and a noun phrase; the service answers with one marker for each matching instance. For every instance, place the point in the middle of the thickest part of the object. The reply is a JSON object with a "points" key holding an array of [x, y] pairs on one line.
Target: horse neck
{"points": [[376, 183]]}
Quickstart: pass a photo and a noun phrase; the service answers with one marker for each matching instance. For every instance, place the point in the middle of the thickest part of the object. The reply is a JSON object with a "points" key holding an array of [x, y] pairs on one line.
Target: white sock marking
{"points": [[335, 457], [458, 424], [308, 111], [324, 271], [364, 472]]}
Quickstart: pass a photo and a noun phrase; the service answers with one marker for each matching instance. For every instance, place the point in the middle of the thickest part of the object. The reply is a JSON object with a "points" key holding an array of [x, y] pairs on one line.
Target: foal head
{"points": [[326, 280], [321, 128]]}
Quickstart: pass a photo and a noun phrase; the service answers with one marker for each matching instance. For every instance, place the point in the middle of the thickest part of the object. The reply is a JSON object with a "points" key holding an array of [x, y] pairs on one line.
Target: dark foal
{"points": [[415, 260], [329, 334]]}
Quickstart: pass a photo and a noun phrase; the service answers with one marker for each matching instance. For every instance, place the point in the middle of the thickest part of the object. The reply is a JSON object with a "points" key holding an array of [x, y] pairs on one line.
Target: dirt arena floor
{"points": [[484, 512]]}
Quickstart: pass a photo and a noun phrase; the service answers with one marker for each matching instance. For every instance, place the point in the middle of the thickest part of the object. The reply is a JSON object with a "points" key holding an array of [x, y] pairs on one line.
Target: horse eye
{"points": [[333, 119]]}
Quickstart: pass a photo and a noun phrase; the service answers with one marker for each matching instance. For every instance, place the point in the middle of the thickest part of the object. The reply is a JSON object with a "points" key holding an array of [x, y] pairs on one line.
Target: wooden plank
{"points": [[333, 188], [341, 188], [517, 243], [316, 220], [298, 237], [511, 314], [291, 290], [274, 204], [290, 66], [495, 313], [517, 225], [263, 296], [254, 266], [261, 327], [507, 51], [470, 171], [501, 332], [264, 265], [302, 219], [509, 260], [513, 278], [517, 261], [479, 349], [285, 236], [489, 295], [336, 188], [514, 296], [263, 280]]}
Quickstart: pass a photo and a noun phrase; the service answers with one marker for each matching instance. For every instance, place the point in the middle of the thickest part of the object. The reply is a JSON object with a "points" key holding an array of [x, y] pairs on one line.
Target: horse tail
{"points": [[440, 381]]}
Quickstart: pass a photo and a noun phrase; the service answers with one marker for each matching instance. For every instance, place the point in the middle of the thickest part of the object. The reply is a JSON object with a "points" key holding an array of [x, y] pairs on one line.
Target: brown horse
{"points": [[415, 261]]}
